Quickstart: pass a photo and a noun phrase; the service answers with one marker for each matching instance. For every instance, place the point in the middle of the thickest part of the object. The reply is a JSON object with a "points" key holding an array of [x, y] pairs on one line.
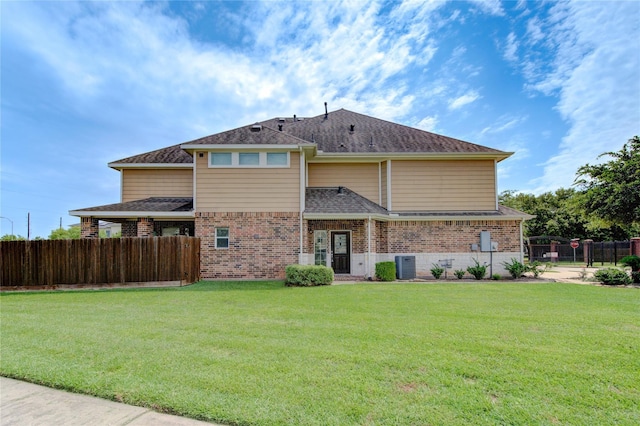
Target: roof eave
{"points": [[120, 166], [132, 214], [381, 156]]}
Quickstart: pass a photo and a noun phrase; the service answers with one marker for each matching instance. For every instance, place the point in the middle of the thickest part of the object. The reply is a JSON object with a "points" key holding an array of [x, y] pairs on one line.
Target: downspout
{"points": [[495, 182], [368, 263], [521, 242], [302, 204]]}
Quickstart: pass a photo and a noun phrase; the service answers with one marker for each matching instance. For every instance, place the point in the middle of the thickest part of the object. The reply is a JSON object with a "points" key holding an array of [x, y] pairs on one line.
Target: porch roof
{"points": [[165, 207], [340, 200]]}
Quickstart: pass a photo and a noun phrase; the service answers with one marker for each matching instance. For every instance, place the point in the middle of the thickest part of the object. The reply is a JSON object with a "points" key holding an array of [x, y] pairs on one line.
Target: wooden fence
{"points": [[100, 261]]}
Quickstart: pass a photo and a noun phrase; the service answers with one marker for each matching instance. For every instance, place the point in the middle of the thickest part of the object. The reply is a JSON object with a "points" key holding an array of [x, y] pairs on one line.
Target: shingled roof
{"points": [[153, 204], [170, 155], [340, 131], [345, 131], [339, 200]]}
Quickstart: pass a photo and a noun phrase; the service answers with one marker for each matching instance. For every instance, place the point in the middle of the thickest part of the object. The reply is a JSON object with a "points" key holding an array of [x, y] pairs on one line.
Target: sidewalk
{"points": [[23, 403]]}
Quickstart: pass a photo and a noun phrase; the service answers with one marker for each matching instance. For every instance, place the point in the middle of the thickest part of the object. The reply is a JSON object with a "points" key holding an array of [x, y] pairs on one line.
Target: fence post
{"points": [[588, 252], [635, 246]]}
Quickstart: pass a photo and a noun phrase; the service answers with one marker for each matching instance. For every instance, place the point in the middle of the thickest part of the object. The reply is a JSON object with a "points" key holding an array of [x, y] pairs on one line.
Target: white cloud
{"points": [[597, 73], [511, 48], [463, 100], [428, 123]]}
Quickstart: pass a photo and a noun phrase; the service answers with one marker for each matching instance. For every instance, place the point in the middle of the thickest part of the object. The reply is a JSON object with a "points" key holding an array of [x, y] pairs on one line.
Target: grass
{"points": [[366, 354]]}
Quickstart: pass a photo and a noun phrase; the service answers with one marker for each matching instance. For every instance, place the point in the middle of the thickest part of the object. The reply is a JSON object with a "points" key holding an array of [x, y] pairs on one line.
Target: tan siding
{"points": [[248, 189], [443, 185], [138, 184], [383, 183], [358, 177]]}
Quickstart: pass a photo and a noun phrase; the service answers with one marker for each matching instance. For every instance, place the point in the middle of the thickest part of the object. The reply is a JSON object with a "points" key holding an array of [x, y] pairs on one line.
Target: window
{"points": [[222, 237], [249, 159], [277, 158], [220, 158], [320, 247]]}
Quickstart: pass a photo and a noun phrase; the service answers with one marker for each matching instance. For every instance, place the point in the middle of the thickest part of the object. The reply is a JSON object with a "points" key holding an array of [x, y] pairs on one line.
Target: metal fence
{"points": [[99, 261], [602, 252]]}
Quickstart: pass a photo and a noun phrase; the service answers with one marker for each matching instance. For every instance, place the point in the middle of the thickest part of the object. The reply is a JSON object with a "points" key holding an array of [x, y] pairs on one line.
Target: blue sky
{"points": [[87, 83]]}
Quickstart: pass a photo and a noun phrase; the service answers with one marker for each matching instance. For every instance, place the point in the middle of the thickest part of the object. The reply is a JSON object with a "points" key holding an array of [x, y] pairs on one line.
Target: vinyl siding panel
{"points": [[358, 177], [443, 185], [138, 184], [248, 189]]}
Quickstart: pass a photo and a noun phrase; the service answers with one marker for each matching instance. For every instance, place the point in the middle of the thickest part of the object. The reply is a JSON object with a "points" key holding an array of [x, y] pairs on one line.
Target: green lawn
{"points": [[367, 354]]}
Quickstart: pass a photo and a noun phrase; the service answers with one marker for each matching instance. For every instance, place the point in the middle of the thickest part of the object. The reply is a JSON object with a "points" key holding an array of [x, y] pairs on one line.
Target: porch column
{"points": [[89, 227], [635, 246], [145, 227]]}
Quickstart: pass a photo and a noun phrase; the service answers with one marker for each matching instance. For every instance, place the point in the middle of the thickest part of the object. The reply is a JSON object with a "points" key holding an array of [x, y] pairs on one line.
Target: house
{"points": [[341, 189]]}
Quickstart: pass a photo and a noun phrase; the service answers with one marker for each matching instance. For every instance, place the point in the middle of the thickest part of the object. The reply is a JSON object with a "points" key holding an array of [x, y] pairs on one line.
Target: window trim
{"points": [[262, 160], [228, 237]]}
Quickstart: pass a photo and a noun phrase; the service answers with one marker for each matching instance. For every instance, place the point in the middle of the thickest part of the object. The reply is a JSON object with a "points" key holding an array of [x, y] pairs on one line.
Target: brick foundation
{"points": [[261, 245], [89, 227]]}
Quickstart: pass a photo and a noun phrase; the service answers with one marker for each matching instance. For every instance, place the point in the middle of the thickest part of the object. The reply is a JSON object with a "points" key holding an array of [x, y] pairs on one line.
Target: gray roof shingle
{"points": [[340, 131], [153, 204], [339, 200]]}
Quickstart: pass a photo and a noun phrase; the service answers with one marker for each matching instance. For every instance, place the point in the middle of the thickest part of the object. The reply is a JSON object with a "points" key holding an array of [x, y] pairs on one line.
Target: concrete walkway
{"points": [[24, 403]]}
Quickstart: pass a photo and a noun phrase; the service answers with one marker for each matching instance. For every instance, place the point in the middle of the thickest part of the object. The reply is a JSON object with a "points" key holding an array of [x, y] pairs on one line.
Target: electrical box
{"points": [[474, 247], [485, 241], [494, 246]]}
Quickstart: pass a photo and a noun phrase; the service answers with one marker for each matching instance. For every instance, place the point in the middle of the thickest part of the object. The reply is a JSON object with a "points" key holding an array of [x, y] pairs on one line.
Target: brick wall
{"points": [[89, 227], [145, 227], [261, 245], [449, 236]]}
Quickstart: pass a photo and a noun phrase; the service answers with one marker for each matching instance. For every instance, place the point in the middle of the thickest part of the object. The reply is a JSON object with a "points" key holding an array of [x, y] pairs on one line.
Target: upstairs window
{"points": [[249, 159]]}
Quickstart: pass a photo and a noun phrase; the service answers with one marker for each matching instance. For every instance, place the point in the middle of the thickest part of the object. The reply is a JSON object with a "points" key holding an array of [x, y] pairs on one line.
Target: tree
{"points": [[10, 237], [611, 190], [73, 233]]}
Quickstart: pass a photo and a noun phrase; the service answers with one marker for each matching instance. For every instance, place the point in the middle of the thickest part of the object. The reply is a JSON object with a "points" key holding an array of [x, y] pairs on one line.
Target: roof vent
{"points": [[341, 190], [352, 127], [256, 128], [281, 120], [326, 111], [280, 127]]}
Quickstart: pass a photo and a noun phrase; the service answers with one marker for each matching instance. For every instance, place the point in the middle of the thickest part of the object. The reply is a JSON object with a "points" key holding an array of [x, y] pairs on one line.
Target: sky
{"points": [[87, 83]]}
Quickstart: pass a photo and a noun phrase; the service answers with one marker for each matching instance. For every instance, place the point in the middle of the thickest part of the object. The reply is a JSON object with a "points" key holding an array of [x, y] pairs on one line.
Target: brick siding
{"points": [[89, 227], [261, 245], [145, 227]]}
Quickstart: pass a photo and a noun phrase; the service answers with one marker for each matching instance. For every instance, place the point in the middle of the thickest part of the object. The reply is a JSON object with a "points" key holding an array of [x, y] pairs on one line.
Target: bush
{"points": [[308, 275], [459, 273], [437, 271], [612, 276], [496, 277], [478, 271], [515, 268], [386, 271], [632, 261], [537, 268], [635, 277]]}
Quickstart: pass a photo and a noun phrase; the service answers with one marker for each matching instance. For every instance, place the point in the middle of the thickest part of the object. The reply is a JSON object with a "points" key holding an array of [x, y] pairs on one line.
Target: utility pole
{"points": [[28, 226]]}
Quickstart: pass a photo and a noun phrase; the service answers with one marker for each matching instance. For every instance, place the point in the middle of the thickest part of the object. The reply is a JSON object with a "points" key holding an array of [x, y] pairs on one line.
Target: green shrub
{"points": [[308, 275], [515, 268], [459, 273], [537, 268], [496, 277], [612, 276], [386, 271], [478, 271], [635, 277], [437, 271], [632, 261]]}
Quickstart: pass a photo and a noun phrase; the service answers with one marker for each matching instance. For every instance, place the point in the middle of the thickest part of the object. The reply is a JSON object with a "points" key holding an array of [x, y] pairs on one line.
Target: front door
{"points": [[341, 252]]}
